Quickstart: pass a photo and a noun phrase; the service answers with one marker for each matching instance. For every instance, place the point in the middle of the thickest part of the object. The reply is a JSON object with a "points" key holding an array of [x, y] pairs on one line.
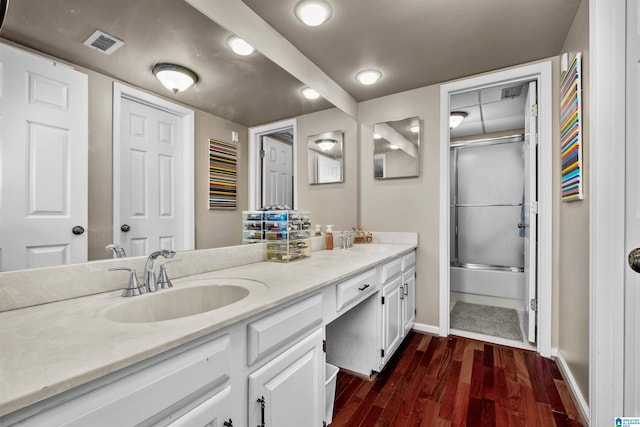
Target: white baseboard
{"points": [[583, 406], [430, 329]]}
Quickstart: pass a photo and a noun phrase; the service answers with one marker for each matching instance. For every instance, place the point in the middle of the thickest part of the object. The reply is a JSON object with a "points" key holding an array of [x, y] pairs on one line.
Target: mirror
{"points": [[396, 148], [246, 91], [324, 154]]}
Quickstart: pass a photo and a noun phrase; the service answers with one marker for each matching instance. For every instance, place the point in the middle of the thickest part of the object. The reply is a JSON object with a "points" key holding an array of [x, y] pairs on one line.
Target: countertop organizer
{"points": [[287, 233]]}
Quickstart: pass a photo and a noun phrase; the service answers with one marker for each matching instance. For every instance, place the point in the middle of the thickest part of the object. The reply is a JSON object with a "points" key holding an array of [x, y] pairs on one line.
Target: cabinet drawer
{"points": [[356, 289], [408, 260], [274, 331], [391, 269], [151, 393]]}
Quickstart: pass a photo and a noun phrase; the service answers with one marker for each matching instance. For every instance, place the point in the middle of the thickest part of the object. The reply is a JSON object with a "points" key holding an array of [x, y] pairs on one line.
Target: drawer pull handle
{"points": [[261, 402], [406, 289], [362, 288], [228, 423]]}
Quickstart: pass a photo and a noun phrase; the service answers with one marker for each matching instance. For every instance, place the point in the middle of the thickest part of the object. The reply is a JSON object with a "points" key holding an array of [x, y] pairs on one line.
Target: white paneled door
{"points": [[632, 214], [43, 156], [530, 220], [277, 172], [151, 150]]}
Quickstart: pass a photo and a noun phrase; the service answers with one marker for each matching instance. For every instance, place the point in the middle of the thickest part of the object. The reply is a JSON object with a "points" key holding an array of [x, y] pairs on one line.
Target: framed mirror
{"points": [[325, 157], [396, 148]]}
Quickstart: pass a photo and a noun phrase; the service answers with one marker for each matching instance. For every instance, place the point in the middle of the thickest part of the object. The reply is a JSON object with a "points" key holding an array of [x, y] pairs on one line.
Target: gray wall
{"points": [[572, 290]]}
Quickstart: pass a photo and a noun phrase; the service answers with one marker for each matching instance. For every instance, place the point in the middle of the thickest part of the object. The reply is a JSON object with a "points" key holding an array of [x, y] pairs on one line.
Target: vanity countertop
{"points": [[51, 348]]}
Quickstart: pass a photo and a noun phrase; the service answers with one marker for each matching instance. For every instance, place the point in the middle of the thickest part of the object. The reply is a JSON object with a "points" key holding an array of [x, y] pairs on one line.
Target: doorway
{"points": [[153, 146], [491, 155], [273, 165], [493, 223]]}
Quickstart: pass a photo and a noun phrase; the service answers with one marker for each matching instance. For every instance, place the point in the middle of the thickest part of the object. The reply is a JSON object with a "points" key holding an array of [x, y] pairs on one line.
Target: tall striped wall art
{"points": [[571, 131], [223, 175]]}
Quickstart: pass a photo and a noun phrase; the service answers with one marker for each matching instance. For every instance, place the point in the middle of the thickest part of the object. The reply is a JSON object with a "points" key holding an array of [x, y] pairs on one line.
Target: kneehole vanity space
{"points": [[261, 360]]}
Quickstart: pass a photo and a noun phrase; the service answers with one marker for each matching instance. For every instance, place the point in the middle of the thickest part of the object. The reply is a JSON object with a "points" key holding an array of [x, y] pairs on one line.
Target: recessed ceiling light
{"points": [[309, 93], [368, 77], [313, 12], [455, 118], [240, 46]]}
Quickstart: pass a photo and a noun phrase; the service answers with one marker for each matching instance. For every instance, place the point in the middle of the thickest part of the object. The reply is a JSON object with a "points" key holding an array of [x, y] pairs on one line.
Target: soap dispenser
{"points": [[329, 237]]}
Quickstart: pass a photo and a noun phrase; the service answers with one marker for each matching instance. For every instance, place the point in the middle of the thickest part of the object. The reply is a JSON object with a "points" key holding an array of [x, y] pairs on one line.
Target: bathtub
{"points": [[496, 282]]}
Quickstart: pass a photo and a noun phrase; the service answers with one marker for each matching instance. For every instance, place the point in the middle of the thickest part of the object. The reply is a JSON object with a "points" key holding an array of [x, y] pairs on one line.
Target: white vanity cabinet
{"points": [[409, 292], [288, 391], [165, 391], [392, 328]]}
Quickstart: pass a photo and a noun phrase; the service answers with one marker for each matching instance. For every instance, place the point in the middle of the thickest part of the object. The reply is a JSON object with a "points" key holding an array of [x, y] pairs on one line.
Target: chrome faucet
{"points": [[149, 276], [117, 250], [346, 240]]}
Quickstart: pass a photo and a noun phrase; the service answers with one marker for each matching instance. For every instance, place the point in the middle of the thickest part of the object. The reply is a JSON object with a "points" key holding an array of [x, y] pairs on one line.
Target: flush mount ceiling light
{"points": [[376, 135], [309, 93], [415, 128], [313, 12], [368, 77], [326, 144], [240, 46], [393, 146], [176, 78], [456, 118]]}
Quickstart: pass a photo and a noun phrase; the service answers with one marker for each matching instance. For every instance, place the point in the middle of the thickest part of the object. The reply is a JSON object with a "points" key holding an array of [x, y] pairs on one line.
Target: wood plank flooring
{"points": [[455, 381]]}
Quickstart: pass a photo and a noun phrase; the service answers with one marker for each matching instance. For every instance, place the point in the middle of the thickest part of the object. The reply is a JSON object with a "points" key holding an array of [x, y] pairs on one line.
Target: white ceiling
{"points": [[413, 42], [490, 110]]}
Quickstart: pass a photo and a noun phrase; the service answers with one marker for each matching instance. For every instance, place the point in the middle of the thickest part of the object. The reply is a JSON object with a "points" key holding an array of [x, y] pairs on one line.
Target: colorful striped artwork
{"points": [[571, 132], [223, 175]]}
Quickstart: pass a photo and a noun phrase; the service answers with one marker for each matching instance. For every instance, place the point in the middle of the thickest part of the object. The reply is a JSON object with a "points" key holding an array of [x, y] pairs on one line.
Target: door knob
{"points": [[125, 227], [522, 225], [634, 260], [77, 230]]}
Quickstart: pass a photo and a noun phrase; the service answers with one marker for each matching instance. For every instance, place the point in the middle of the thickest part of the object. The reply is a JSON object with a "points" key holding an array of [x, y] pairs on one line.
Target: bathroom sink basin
{"points": [[175, 303]]}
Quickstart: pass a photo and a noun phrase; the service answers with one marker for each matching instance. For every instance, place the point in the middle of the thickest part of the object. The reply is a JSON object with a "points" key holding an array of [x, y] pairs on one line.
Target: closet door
{"points": [[43, 159]]}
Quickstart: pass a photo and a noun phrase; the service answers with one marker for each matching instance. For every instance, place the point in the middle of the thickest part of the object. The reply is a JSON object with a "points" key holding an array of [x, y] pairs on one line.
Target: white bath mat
{"points": [[488, 320]]}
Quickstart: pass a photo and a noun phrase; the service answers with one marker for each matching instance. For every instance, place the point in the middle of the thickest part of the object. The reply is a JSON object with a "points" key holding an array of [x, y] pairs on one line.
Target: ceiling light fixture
{"points": [[415, 128], [326, 144], [240, 46], [309, 93], [456, 118], [393, 146], [368, 77], [176, 78], [376, 135], [313, 12]]}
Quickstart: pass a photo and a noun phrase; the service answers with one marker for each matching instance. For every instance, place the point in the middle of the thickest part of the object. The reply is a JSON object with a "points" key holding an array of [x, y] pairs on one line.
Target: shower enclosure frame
{"points": [[542, 73]]}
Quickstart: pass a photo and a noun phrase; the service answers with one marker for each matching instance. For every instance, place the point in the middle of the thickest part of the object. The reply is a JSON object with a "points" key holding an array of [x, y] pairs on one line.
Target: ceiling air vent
{"points": [[511, 92], [103, 42]]}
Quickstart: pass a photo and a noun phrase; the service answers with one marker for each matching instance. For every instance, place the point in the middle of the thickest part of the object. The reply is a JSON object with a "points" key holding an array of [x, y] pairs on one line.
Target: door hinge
{"points": [[382, 352], [533, 304], [324, 346], [262, 154], [382, 300], [535, 208], [534, 110]]}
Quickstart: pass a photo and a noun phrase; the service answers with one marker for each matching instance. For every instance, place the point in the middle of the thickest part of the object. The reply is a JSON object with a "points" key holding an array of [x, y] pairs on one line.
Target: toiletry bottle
{"points": [[318, 230], [329, 237]]}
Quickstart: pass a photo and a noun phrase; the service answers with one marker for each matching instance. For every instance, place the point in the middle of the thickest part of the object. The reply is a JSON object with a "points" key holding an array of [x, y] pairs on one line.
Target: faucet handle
{"points": [[163, 278], [133, 289]]}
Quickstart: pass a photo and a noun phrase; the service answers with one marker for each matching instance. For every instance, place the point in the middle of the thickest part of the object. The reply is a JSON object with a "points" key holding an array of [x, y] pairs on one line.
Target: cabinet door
{"points": [[289, 390], [409, 300], [212, 412], [393, 293]]}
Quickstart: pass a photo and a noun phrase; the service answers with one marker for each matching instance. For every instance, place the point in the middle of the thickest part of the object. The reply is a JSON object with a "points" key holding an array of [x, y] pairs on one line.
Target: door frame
{"points": [[186, 194], [607, 129], [542, 73], [255, 167]]}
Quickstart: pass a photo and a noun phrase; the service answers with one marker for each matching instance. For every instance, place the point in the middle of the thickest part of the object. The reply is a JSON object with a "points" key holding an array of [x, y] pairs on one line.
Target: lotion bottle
{"points": [[329, 237]]}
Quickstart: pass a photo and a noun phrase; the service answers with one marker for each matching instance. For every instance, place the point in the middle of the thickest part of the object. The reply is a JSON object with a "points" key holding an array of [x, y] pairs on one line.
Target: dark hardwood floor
{"points": [[455, 381]]}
